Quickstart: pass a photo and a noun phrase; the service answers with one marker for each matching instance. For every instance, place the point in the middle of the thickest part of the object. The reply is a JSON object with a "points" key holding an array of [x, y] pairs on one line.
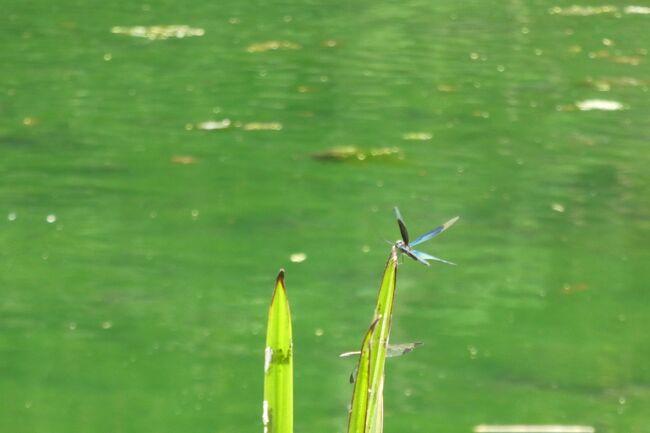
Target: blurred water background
{"points": [[153, 180]]}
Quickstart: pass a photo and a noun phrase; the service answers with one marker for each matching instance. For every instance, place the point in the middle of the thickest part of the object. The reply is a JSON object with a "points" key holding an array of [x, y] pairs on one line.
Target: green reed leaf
{"points": [[277, 408], [358, 421], [383, 317], [367, 408]]}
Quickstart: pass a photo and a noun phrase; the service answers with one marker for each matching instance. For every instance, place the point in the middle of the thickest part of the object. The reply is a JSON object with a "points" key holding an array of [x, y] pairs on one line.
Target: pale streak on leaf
{"points": [[266, 417], [268, 356]]}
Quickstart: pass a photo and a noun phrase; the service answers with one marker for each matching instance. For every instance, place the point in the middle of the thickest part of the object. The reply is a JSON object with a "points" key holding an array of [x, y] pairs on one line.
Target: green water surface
{"points": [[138, 252]]}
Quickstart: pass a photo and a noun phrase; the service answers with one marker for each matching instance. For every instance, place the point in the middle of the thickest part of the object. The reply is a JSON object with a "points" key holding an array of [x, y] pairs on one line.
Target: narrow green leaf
{"points": [[367, 408], [277, 408], [383, 318], [377, 424], [357, 423]]}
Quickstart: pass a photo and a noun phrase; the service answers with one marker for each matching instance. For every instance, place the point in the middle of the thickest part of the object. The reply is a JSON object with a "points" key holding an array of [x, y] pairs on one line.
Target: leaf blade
{"points": [[358, 419], [277, 407], [383, 317]]}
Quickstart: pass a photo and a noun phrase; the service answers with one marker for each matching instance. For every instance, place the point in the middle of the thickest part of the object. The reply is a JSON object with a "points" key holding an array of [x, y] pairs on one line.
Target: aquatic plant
{"points": [[366, 410], [277, 407], [367, 405]]}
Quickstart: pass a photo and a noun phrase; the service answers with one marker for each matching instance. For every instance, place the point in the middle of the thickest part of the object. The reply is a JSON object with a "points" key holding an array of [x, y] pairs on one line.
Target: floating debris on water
{"points": [[330, 43], [599, 104], [583, 11], [214, 125], [605, 84], [615, 58], [159, 32], [568, 289], [481, 114], [298, 257], [447, 88], [351, 153], [220, 125], [627, 60], [51, 218], [12, 216], [261, 47], [557, 207], [107, 325], [340, 153], [183, 159], [261, 126], [574, 49], [641, 10], [423, 136], [593, 104]]}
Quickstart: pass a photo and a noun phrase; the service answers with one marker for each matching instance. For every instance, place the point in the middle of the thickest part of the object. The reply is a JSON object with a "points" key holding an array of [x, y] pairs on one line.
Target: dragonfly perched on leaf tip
{"points": [[406, 247]]}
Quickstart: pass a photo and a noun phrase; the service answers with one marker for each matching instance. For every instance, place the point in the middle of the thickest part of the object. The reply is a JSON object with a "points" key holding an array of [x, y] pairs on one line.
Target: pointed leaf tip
{"points": [[280, 278], [278, 363]]}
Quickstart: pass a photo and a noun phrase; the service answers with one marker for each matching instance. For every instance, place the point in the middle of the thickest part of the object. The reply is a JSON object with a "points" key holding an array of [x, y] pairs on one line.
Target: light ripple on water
{"points": [[599, 104], [159, 32], [584, 11]]}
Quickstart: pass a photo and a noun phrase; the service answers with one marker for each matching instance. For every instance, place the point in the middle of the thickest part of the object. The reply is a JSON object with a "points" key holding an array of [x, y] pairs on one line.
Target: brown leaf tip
{"points": [[280, 278]]}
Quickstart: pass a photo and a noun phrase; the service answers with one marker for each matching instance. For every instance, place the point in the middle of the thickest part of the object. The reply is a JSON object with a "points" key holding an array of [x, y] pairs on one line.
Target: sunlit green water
{"points": [[140, 306]]}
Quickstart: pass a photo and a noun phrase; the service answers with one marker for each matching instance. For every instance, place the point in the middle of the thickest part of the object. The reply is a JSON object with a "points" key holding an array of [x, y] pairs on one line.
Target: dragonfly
{"points": [[392, 351], [406, 247]]}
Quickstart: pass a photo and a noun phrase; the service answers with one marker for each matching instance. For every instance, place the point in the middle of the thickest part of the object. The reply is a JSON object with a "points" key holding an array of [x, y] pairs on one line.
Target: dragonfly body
{"points": [[406, 247]]}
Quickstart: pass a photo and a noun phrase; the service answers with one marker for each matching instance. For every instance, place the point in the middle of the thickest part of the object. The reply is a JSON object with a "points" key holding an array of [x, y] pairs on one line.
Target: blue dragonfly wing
{"points": [[419, 256], [402, 226], [433, 233], [423, 257]]}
